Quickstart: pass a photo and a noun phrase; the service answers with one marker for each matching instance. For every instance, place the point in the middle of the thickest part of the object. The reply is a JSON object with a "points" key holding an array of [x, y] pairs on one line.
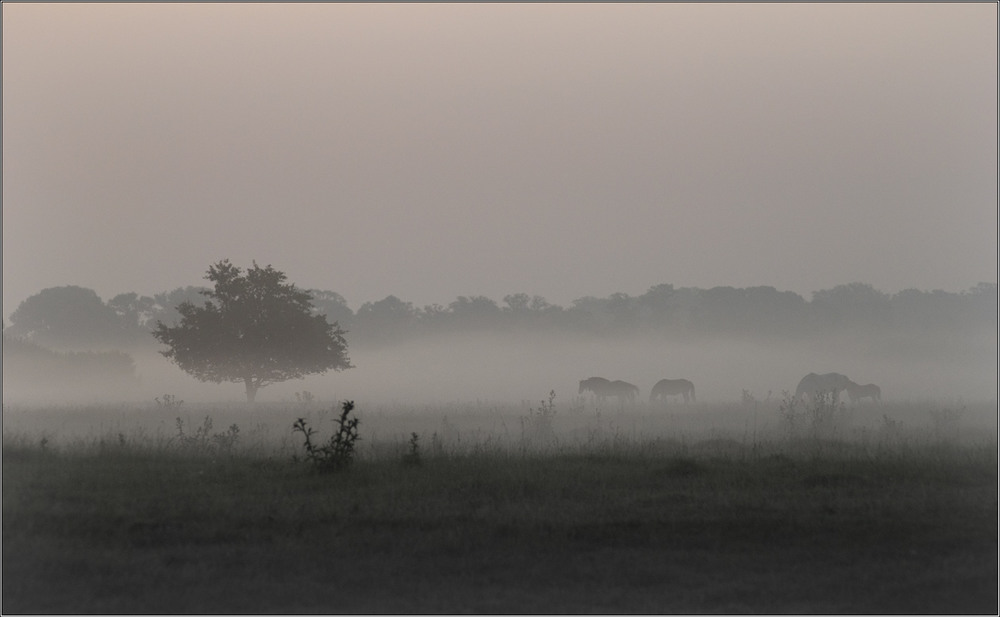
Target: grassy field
{"points": [[714, 508]]}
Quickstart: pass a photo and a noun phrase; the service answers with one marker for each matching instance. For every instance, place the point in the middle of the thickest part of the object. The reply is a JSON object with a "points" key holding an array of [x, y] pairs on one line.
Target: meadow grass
{"points": [[634, 511]]}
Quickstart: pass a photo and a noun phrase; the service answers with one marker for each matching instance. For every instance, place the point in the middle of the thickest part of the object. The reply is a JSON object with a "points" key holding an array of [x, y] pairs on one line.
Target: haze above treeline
{"points": [[428, 150]]}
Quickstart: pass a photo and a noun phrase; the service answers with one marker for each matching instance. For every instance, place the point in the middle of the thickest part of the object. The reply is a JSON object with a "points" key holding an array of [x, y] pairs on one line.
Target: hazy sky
{"points": [[432, 151]]}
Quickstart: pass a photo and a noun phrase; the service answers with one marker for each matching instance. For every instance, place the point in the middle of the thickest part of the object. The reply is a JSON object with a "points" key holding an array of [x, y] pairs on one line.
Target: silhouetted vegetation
{"points": [[338, 452], [254, 329], [587, 512], [952, 330], [68, 318], [74, 318]]}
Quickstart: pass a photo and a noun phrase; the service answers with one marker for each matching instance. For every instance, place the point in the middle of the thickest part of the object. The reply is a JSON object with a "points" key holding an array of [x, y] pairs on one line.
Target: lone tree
{"points": [[255, 329]]}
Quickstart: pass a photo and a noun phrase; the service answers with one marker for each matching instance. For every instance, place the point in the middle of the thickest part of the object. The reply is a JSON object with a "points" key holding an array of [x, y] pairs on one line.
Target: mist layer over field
{"points": [[509, 369]]}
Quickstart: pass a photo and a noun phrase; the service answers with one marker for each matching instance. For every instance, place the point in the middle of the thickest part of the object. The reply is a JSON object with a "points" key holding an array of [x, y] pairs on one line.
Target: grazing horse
{"points": [[813, 385], [626, 391], [594, 384], [668, 387], [603, 388], [857, 392]]}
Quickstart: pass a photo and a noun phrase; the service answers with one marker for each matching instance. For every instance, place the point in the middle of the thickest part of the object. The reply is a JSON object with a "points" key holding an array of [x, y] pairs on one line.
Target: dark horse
{"points": [[668, 387], [818, 385], [603, 388], [858, 392]]}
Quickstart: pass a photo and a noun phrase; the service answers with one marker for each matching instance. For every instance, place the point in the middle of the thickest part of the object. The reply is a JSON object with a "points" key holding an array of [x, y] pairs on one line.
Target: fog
{"points": [[568, 151], [515, 369], [436, 150], [506, 369]]}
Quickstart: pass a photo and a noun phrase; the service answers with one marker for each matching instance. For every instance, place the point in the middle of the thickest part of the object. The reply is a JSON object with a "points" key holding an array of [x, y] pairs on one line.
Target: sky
{"points": [[431, 151]]}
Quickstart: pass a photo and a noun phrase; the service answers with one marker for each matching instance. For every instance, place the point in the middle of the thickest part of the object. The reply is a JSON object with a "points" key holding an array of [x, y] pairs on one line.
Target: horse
{"points": [[603, 388], [858, 392], [815, 385], [626, 390], [668, 387], [595, 385]]}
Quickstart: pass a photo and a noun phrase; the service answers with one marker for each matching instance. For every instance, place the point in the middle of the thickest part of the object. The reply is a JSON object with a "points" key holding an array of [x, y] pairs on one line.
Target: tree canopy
{"points": [[70, 317], [254, 329], [75, 319]]}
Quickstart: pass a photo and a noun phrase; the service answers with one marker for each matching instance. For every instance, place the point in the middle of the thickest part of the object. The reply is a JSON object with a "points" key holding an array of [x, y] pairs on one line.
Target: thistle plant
{"points": [[412, 457], [538, 423], [338, 452]]}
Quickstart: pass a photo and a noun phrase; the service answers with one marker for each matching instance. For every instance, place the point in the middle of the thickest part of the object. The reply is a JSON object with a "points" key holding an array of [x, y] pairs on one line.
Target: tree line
{"points": [[76, 318]]}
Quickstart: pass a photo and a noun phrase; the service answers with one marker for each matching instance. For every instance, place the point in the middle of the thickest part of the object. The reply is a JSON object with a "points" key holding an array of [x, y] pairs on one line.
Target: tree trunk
{"points": [[251, 389]]}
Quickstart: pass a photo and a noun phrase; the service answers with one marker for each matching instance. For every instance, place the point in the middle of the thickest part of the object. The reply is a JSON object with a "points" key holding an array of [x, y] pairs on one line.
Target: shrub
{"points": [[823, 415], [338, 453], [412, 458], [203, 439], [788, 411], [169, 401], [821, 412], [537, 425]]}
